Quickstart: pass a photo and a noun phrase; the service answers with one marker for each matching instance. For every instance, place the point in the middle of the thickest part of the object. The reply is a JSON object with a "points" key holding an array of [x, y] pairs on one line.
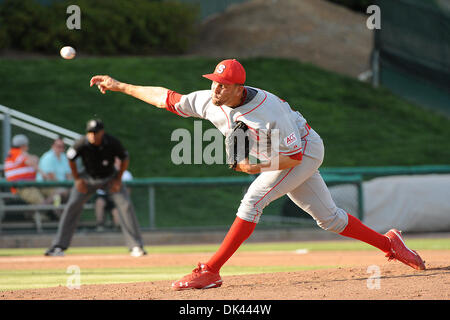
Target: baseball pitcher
{"points": [[291, 168]]}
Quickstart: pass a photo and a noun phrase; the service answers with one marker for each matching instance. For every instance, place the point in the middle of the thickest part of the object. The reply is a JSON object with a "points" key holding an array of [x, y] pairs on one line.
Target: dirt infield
{"points": [[347, 276]]}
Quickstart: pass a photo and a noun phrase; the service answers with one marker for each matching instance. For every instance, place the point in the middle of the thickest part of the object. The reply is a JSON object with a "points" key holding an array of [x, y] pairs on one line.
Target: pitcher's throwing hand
{"points": [[105, 83]]}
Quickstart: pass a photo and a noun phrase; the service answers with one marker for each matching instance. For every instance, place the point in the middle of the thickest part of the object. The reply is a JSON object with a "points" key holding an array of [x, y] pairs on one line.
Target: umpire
{"points": [[97, 150]]}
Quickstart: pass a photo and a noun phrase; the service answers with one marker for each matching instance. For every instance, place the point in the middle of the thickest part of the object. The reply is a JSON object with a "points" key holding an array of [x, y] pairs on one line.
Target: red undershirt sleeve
{"points": [[297, 156], [171, 99]]}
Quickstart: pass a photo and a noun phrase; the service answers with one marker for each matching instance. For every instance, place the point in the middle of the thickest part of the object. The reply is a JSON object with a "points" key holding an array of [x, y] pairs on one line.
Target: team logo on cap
{"points": [[221, 68]]}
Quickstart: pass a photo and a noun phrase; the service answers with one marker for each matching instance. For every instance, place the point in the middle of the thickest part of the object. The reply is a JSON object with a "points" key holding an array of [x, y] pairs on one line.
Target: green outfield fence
{"points": [[191, 202]]}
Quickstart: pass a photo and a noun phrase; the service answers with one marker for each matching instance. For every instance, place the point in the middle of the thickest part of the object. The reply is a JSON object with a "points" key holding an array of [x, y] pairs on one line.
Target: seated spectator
{"points": [[22, 166], [55, 167], [54, 163], [103, 203]]}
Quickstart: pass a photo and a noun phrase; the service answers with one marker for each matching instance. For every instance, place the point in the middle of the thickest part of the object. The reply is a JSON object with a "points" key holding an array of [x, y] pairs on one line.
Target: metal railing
{"points": [[332, 176], [152, 183], [13, 117], [388, 171]]}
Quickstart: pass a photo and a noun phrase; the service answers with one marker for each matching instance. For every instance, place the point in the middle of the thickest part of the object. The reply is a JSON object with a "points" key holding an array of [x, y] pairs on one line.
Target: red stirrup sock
{"points": [[238, 233], [357, 230]]}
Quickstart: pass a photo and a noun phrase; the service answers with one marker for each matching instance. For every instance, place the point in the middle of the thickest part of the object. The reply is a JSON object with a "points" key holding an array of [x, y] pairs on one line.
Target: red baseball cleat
{"points": [[200, 278], [401, 252]]}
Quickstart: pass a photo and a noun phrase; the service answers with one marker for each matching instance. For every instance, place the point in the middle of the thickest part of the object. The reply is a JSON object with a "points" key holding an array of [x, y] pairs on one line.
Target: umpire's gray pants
{"points": [[71, 214]]}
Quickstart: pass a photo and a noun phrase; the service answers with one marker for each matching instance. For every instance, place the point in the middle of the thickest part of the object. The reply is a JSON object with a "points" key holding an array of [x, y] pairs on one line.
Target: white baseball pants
{"points": [[304, 186]]}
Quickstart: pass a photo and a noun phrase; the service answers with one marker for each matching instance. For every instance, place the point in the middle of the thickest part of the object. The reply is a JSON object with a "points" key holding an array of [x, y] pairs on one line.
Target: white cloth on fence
{"points": [[418, 203]]}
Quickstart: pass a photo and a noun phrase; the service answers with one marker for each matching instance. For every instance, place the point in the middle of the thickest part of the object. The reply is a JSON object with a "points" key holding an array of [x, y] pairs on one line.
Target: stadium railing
{"points": [[151, 184], [388, 171], [332, 176]]}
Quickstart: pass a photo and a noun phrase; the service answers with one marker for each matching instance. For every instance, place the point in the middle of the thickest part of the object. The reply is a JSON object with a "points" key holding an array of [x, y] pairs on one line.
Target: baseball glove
{"points": [[237, 145]]}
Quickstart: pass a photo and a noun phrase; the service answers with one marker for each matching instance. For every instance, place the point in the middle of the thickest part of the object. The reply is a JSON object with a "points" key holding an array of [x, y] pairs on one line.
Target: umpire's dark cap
{"points": [[94, 125]]}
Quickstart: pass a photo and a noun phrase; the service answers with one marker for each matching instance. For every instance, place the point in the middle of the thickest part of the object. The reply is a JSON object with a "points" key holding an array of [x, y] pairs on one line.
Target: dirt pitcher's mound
{"points": [[396, 283], [315, 31], [346, 275]]}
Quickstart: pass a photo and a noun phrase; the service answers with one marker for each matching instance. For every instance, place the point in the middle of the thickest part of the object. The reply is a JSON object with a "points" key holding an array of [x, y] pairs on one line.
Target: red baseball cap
{"points": [[228, 71]]}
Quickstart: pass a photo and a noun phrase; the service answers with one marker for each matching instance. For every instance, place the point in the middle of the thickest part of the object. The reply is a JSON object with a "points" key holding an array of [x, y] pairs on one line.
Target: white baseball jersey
{"points": [[262, 114], [263, 111]]}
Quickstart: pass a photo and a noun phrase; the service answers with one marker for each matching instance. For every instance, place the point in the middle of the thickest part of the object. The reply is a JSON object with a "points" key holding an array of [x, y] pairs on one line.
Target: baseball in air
{"points": [[67, 52]]}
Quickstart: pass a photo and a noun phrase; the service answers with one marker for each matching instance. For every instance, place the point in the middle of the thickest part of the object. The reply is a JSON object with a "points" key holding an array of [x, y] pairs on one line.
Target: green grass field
{"points": [[343, 245], [28, 279]]}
